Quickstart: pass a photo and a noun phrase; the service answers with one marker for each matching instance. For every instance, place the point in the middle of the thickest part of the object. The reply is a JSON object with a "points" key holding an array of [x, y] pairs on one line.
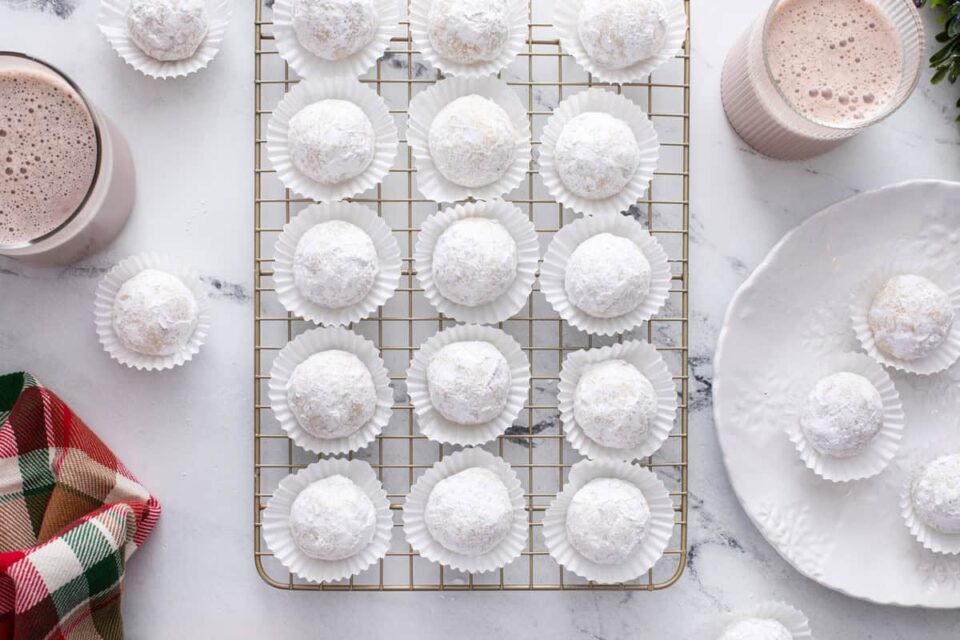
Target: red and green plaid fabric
{"points": [[70, 516]]}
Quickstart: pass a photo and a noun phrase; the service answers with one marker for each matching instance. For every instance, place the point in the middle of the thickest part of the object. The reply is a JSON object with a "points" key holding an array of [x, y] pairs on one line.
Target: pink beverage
{"points": [[812, 73], [66, 175]]}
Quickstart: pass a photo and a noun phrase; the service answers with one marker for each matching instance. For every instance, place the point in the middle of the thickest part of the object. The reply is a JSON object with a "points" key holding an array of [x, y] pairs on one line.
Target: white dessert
{"points": [[607, 519], [910, 317], [470, 512], [615, 404], [474, 261], [332, 394], [332, 519], [620, 33], [469, 382], [167, 30], [607, 276], [843, 413], [596, 155], [335, 264], [155, 313], [472, 141], [334, 29], [331, 141], [468, 31], [756, 629], [935, 493]]}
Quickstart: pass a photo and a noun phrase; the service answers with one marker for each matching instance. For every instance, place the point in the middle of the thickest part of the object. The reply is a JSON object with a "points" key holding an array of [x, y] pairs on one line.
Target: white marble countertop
{"points": [[187, 433]]}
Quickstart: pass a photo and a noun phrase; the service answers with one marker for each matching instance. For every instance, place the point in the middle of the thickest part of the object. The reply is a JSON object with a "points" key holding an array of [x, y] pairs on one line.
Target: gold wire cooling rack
{"points": [[535, 445]]}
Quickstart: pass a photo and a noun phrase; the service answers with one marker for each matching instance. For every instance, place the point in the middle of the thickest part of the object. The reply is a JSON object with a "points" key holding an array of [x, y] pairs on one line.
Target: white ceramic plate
{"points": [[793, 310]]}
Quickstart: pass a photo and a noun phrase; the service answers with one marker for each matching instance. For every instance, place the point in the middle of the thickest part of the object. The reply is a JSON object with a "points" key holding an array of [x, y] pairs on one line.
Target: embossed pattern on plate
{"points": [[794, 310]]}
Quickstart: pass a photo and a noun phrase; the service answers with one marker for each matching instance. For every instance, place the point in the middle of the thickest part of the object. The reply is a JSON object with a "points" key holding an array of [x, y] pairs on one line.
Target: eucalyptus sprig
{"points": [[946, 60]]}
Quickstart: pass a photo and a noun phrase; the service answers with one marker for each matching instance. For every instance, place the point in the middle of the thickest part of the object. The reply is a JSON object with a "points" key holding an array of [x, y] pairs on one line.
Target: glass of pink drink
{"points": [[66, 175], [812, 73]]}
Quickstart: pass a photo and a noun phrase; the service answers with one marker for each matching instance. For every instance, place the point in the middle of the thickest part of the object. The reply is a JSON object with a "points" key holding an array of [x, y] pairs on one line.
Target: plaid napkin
{"points": [[70, 516]]}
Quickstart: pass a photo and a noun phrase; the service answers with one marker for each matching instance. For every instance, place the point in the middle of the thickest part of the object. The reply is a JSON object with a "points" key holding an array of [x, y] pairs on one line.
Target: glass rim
{"points": [[862, 124], [94, 119]]}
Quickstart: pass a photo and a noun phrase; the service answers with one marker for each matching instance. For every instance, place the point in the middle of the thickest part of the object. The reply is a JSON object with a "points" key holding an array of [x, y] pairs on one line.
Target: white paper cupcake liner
{"points": [[388, 254], [305, 94], [651, 547], [600, 101], [112, 20], [565, 18], [862, 298], [431, 422], [930, 538], [275, 521], [878, 452], [795, 622], [424, 108], [308, 65], [564, 243], [316, 341], [103, 311], [517, 10], [415, 527], [649, 362], [528, 255]]}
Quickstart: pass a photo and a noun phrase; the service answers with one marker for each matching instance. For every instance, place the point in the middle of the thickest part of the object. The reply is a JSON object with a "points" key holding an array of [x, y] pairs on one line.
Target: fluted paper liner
{"points": [[517, 16], [930, 538], [308, 65], [388, 255], [648, 551], [565, 19], [431, 422], [316, 341], [649, 362], [795, 622], [878, 453], [862, 298], [600, 101], [112, 20], [415, 527], [309, 92], [275, 521], [564, 243], [103, 311], [425, 106], [528, 255]]}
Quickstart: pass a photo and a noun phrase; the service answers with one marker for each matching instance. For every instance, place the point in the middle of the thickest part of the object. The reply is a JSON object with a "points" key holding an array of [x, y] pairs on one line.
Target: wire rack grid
{"points": [[535, 445]]}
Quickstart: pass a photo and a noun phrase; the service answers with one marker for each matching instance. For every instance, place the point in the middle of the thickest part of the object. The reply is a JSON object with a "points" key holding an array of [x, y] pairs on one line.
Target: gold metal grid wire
{"points": [[535, 446]]}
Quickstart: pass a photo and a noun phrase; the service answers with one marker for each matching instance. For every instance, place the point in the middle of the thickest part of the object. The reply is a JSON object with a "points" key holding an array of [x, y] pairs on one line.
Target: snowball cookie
{"points": [[756, 629], [607, 276], [331, 141], [468, 382], [334, 29], [474, 261], [596, 155], [332, 394], [910, 317], [167, 30], [843, 413], [606, 520], [468, 31], [615, 404], [154, 313], [332, 519], [935, 494], [335, 264], [619, 33], [472, 141], [470, 512]]}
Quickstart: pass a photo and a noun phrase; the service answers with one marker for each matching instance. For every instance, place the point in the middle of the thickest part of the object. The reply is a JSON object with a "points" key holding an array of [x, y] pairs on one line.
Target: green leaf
{"points": [[939, 75]]}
